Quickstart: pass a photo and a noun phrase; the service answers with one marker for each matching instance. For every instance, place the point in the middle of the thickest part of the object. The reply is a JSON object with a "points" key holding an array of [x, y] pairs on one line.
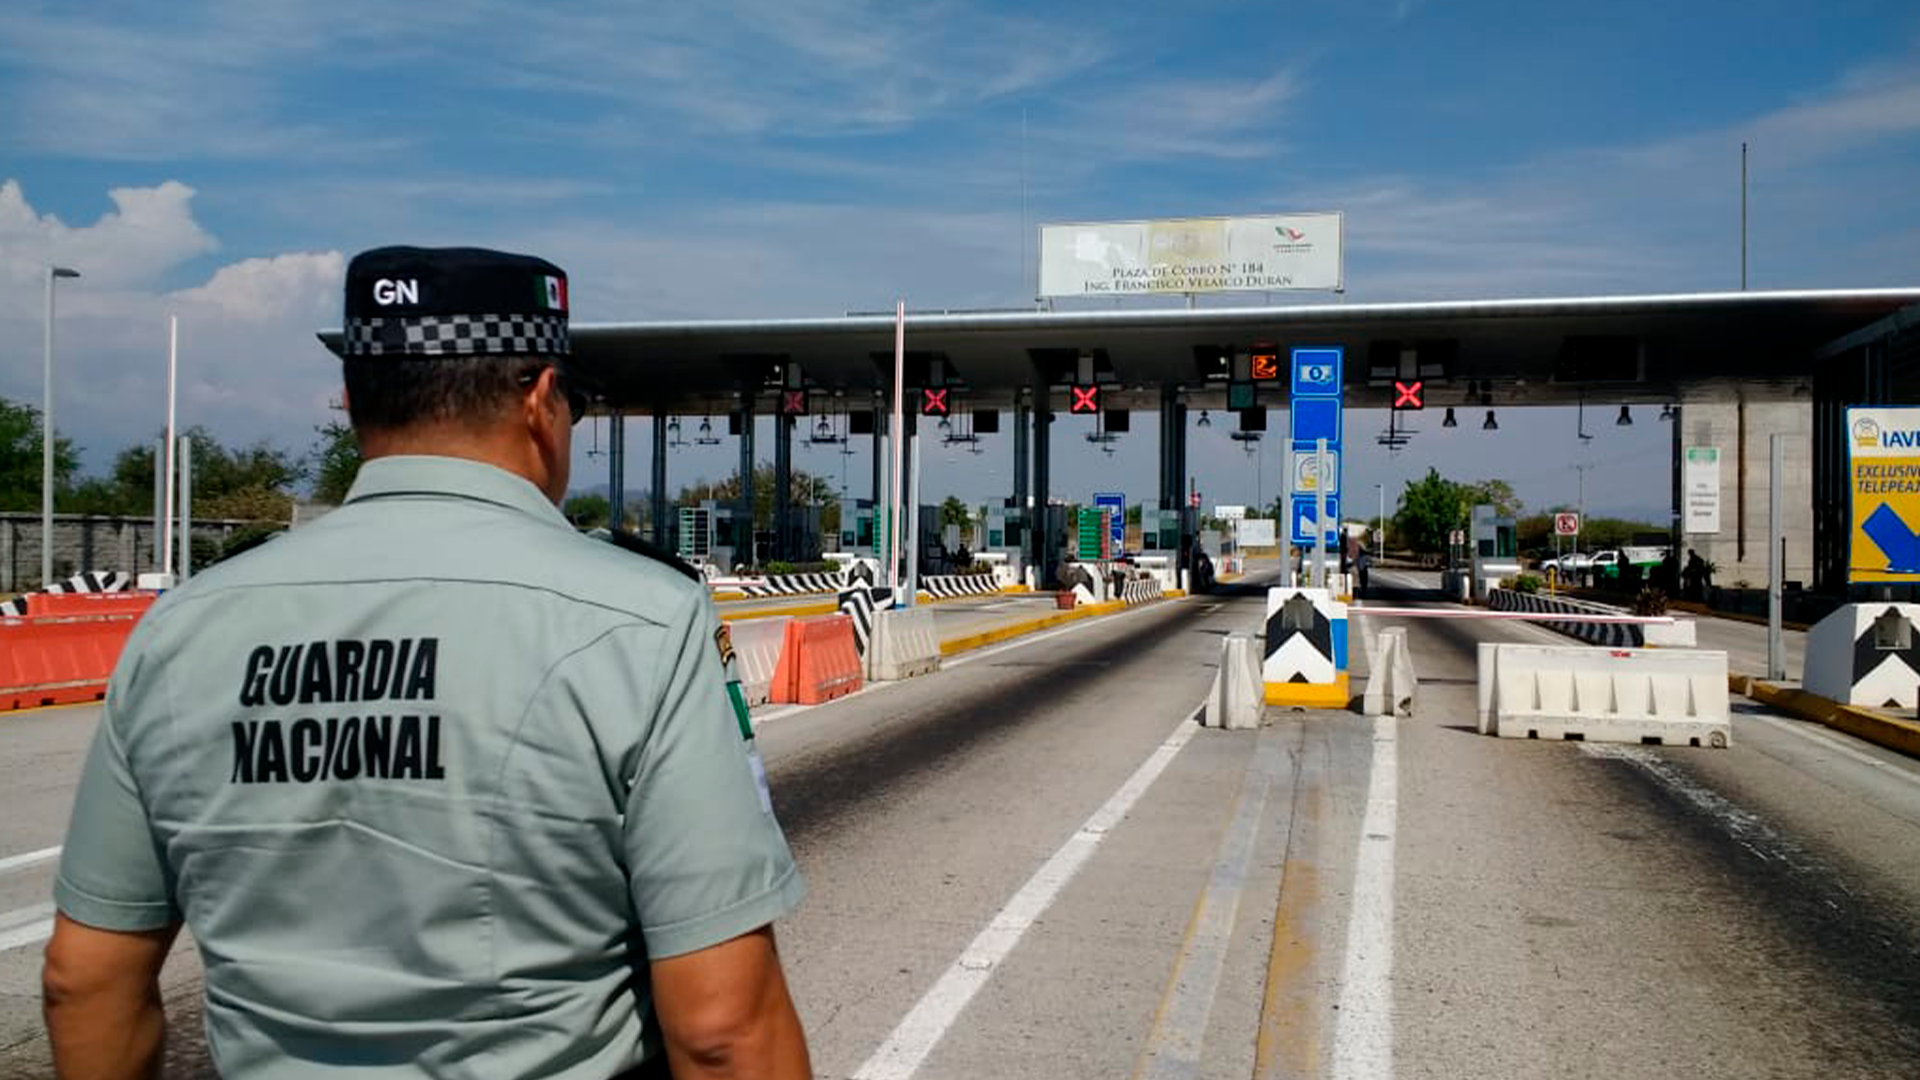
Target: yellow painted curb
{"points": [[1009, 590], [1888, 731], [728, 595], [4, 713], [802, 610], [970, 642], [1333, 695]]}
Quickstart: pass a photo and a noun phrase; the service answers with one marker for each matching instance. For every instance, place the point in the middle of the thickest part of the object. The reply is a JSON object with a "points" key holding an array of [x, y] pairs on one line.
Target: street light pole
{"points": [[46, 432]]}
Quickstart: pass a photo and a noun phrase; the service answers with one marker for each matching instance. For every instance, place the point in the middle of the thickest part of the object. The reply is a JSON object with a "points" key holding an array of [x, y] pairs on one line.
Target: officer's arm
{"points": [[726, 1013], [101, 993]]}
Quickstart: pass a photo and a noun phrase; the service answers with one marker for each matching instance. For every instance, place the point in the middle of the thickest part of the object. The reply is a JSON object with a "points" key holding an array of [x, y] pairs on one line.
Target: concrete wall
{"points": [[83, 542], [1715, 415]]}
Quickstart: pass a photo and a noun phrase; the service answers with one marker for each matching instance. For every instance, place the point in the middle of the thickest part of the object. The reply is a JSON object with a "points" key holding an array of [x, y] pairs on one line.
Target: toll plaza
{"points": [[1083, 822]]}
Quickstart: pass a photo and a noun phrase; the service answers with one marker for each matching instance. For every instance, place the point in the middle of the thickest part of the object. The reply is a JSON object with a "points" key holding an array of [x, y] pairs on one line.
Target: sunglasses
{"points": [[577, 400]]}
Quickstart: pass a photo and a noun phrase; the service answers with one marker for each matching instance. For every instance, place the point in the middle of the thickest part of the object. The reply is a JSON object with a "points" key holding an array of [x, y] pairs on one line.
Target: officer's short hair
{"points": [[386, 394], [450, 335]]}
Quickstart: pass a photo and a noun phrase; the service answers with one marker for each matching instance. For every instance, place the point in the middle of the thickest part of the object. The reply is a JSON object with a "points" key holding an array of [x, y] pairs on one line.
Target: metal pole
{"points": [[1319, 517], [1284, 530], [657, 498], [616, 468], [159, 503], [46, 445], [186, 508], [894, 431], [1776, 563], [1743, 217], [166, 520], [913, 525]]}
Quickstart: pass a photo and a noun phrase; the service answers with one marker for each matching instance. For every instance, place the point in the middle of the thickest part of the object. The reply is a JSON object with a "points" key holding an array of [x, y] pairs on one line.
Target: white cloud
{"points": [[249, 365]]}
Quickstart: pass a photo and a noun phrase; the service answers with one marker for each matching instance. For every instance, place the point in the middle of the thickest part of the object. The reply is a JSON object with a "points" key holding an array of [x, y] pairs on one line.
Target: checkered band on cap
{"points": [[456, 335]]}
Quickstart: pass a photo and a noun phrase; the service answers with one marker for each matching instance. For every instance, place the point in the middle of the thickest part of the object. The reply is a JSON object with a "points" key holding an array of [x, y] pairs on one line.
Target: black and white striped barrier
{"points": [[860, 603], [1305, 659], [1141, 590], [791, 584], [93, 581], [1866, 654], [947, 586], [1610, 635]]}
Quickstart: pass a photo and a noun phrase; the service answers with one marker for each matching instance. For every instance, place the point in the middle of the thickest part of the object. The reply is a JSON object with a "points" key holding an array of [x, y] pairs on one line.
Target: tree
{"points": [[954, 512], [1497, 493], [336, 461], [1430, 508], [588, 511], [806, 489], [21, 459]]}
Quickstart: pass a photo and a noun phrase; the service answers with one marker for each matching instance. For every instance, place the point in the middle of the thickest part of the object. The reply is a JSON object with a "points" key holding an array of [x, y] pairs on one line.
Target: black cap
{"points": [[409, 301]]}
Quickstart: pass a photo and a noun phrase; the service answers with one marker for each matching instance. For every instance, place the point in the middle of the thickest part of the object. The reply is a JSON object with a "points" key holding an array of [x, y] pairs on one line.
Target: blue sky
{"points": [[220, 160]]}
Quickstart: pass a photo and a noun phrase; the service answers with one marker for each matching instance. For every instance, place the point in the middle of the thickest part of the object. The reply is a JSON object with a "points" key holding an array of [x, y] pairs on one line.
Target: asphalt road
{"points": [[1031, 865], [951, 618]]}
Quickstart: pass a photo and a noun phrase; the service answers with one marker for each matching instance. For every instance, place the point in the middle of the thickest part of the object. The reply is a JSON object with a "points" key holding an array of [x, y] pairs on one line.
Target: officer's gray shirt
{"points": [[448, 845]]}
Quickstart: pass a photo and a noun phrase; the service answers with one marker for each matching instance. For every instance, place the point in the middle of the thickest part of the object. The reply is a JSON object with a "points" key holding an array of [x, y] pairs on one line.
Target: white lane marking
{"points": [[922, 1028], [26, 926], [1173, 1047], [31, 858], [1743, 825], [1363, 1035], [1820, 737]]}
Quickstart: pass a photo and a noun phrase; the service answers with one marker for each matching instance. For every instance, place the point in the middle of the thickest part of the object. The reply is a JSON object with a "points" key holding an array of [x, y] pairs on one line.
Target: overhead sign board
{"points": [[1315, 418], [1193, 255], [1311, 471], [1229, 512], [1302, 516], [1700, 482], [1883, 469], [1316, 372]]}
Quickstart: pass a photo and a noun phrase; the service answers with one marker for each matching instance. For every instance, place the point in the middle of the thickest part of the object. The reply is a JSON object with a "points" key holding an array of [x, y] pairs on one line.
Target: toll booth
{"points": [[1006, 536], [856, 527], [710, 535], [1160, 529], [1496, 551]]}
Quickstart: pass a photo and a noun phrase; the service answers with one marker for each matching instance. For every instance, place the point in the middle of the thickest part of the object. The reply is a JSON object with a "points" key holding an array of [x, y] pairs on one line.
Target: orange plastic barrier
{"points": [[60, 660], [68, 605], [818, 661]]}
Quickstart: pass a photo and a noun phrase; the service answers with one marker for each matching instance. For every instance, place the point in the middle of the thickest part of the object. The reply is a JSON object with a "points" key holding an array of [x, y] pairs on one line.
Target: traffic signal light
{"points": [[1409, 396], [1085, 399], [1264, 366], [793, 402], [933, 401]]}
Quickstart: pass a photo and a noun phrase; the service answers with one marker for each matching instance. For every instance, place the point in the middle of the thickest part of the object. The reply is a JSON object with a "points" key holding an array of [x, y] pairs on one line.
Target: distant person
{"points": [[1362, 564], [1696, 577], [1667, 577], [441, 787]]}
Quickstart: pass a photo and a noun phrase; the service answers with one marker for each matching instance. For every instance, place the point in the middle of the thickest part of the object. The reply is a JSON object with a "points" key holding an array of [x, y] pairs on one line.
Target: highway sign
{"points": [[1316, 372], [1700, 480], [1115, 503], [1310, 472], [1229, 512], [1566, 524], [1315, 418], [1883, 448], [1301, 528], [1457, 537]]}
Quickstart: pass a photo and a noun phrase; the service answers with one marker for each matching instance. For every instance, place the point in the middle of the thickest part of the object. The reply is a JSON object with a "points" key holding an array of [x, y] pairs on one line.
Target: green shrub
{"points": [[1527, 583]]}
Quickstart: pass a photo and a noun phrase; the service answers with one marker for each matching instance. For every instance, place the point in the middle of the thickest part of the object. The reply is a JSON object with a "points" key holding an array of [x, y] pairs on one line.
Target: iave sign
{"points": [[1883, 468]]}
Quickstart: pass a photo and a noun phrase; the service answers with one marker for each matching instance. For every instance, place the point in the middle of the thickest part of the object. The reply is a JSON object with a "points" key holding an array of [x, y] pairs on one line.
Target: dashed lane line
{"points": [[25, 926], [921, 1029], [30, 858], [1363, 1035]]}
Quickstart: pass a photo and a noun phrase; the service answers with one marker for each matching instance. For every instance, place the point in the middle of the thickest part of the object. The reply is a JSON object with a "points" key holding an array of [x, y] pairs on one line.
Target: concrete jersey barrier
{"points": [[1677, 697], [756, 651], [945, 586], [905, 644], [1866, 654], [818, 661], [1238, 698]]}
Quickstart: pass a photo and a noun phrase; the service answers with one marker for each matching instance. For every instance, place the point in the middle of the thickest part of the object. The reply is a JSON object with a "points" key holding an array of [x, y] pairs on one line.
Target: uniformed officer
{"points": [[441, 787]]}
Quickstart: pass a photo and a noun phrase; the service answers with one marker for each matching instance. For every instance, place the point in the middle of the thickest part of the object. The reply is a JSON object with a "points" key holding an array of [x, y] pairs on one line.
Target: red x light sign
{"points": [[1407, 395], [793, 402], [1086, 400], [933, 401]]}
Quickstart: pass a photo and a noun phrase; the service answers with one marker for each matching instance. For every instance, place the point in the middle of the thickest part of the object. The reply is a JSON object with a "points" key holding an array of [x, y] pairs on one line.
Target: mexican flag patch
{"points": [[552, 292]]}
